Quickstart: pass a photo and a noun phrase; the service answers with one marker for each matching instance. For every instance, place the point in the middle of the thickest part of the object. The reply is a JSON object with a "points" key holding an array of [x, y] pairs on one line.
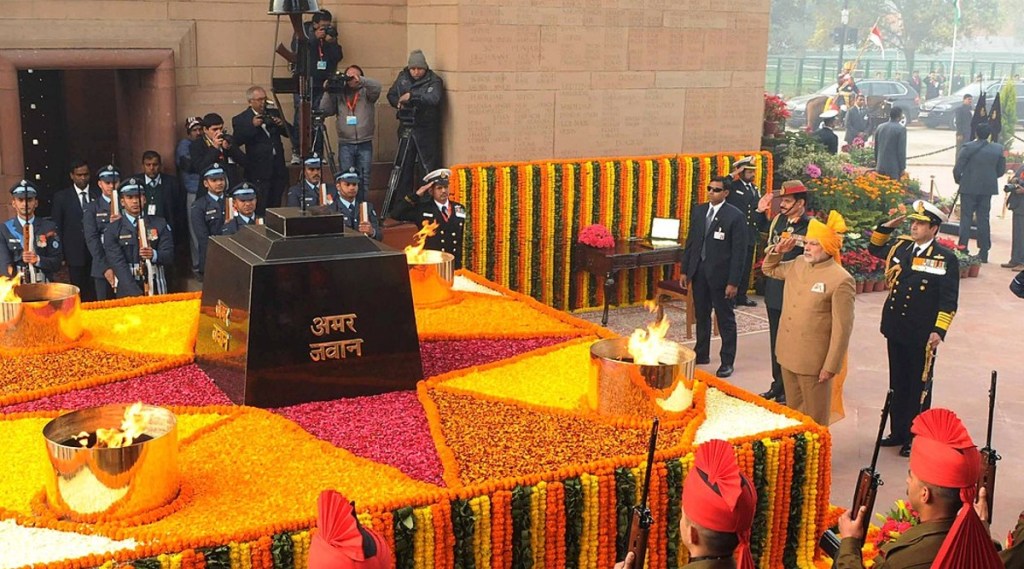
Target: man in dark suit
{"points": [[712, 265], [259, 130], [167, 199], [450, 216], [891, 146], [68, 209], [977, 170], [216, 146], [97, 215], [745, 196], [825, 134], [857, 122], [962, 117]]}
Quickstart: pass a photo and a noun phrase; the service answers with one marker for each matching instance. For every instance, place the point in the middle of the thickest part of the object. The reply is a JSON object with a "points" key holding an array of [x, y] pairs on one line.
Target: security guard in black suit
{"points": [[308, 190], [207, 215], [450, 216], [791, 221], [124, 249], [243, 202], [924, 283], [97, 215], [745, 196], [36, 263]]}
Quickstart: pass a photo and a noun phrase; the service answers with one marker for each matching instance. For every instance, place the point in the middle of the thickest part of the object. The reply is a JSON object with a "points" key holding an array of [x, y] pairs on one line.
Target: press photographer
{"points": [[216, 146], [1014, 190], [417, 93], [259, 129], [324, 54], [352, 97]]}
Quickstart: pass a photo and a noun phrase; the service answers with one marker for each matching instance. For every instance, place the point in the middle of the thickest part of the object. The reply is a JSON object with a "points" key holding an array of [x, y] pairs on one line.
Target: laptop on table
{"points": [[664, 233]]}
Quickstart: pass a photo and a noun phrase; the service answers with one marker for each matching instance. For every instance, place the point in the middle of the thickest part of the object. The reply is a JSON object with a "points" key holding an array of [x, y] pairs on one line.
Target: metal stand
{"points": [[320, 137], [405, 140]]}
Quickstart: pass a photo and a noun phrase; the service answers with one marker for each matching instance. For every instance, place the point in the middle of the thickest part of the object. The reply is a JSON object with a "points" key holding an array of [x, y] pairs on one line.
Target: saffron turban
{"points": [[829, 234]]}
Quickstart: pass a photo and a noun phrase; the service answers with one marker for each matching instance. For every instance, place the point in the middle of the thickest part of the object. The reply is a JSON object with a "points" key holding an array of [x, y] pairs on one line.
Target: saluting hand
{"points": [[765, 203], [894, 222], [424, 188], [785, 246]]}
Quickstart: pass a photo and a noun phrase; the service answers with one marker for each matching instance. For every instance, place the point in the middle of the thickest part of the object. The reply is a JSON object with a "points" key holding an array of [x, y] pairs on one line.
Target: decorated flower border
{"points": [[524, 217]]}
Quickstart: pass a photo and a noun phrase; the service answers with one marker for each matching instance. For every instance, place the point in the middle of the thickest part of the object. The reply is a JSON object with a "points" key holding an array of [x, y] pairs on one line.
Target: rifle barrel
{"points": [[881, 429], [650, 462], [991, 409]]}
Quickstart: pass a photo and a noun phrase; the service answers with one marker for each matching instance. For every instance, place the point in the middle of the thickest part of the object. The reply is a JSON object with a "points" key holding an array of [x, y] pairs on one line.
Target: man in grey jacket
{"points": [[891, 146], [977, 170], [354, 105]]}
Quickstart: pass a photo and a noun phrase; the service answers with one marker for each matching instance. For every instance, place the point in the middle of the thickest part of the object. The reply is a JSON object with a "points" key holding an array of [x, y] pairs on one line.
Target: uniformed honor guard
{"points": [[791, 221], [450, 216], [95, 218], [31, 246], [745, 196], [359, 215], [944, 469], [138, 246], [825, 134], [311, 191], [243, 200], [924, 283], [207, 215]]}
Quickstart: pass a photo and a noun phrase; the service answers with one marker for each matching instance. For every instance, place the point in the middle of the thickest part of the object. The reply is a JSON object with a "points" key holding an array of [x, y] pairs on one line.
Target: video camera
{"points": [[270, 113], [336, 83], [331, 31], [406, 115]]}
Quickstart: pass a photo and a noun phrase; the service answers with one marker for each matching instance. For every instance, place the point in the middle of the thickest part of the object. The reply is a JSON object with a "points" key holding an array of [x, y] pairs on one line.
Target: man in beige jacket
{"points": [[817, 316]]}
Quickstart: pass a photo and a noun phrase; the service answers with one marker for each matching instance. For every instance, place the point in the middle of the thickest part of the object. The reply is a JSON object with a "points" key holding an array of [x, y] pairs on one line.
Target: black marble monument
{"points": [[297, 310]]}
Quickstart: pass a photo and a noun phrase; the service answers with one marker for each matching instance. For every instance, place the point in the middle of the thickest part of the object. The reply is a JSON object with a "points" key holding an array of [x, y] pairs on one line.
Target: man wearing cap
{"points": [[183, 159], [713, 262], [924, 284], [817, 316], [97, 215], [216, 146], [243, 200], [354, 105], [891, 146], [38, 260], [437, 208], [124, 249], [260, 130], [745, 196], [417, 93], [68, 208], [341, 542], [825, 135], [349, 204], [206, 217], [857, 121], [307, 193], [941, 485], [977, 170], [791, 221]]}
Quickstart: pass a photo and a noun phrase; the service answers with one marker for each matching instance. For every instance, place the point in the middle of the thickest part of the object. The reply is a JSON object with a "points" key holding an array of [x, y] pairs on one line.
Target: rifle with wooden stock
{"points": [[989, 456], [28, 239], [146, 265], [866, 490], [640, 526]]}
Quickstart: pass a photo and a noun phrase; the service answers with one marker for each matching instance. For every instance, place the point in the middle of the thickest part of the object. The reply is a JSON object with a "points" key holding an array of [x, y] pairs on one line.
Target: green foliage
{"points": [[803, 149], [862, 157], [1008, 97]]}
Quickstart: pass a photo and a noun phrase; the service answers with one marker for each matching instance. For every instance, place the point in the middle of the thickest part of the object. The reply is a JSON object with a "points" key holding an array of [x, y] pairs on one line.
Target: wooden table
{"points": [[624, 256]]}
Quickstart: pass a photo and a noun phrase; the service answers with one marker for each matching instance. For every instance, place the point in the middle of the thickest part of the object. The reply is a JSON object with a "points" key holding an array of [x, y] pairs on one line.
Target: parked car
{"points": [[901, 94], [940, 111]]}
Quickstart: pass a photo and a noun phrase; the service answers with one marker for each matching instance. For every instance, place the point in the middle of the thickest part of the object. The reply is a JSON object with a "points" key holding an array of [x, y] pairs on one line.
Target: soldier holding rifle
{"points": [[924, 283], [30, 244], [138, 246]]}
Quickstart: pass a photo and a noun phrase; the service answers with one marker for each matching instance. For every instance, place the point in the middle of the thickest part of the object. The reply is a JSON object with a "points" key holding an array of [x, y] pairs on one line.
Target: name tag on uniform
{"points": [[350, 120], [321, 65], [428, 215], [932, 266], [151, 209], [129, 236], [818, 287], [461, 214], [739, 192], [719, 235]]}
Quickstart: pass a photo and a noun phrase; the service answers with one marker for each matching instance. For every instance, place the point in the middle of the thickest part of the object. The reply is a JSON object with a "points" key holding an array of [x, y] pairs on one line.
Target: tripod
{"points": [[405, 140], [320, 139]]}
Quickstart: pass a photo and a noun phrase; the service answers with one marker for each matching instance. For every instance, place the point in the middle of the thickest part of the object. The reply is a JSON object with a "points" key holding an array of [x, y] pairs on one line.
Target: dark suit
{"points": [[67, 214], [170, 200], [922, 299], [891, 149], [856, 124], [829, 138], [712, 259], [978, 168], [121, 242], [202, 154], [95, 219], [264, 158], [449, 236], [744, 197]]}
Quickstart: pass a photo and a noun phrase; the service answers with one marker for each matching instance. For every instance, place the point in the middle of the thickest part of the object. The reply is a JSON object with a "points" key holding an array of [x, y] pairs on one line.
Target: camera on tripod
{"points": [[318, 117], [406, 115]]}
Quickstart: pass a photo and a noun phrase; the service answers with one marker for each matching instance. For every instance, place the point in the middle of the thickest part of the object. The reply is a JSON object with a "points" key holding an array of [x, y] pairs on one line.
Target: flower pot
{"points": [[963, 272], [869, 286], [770, 128], [880, 286], [973, 270], [859, 286]]}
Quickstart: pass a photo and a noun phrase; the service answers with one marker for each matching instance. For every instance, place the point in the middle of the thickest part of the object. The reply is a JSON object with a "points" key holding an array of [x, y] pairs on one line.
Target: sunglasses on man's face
{"points": [[715, 190]]}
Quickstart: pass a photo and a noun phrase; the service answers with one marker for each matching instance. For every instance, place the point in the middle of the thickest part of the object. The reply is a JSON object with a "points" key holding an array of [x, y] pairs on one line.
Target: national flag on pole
{"points": [[995, 118], [875, 35], [956, 10], [980, 115]]}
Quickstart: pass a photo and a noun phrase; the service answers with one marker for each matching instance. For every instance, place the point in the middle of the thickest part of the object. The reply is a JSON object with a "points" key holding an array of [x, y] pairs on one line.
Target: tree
{"points": [[912, 26], [1008, 94], [791, 26]]}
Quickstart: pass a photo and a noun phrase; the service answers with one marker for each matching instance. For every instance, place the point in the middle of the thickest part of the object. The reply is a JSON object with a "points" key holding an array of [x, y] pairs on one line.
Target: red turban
{"points": [[717, 496], [944, 455], [341, 543]]}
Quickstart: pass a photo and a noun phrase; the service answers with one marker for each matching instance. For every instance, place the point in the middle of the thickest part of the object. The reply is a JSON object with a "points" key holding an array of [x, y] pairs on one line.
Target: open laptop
{"points": [[664, 233]]}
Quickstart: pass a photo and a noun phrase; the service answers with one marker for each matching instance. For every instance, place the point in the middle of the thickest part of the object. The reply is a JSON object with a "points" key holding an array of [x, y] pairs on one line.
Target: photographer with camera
{"points": [[417, 93], [324, 54], [216, 146], [259, 129], [352, 97], [1015, 203]]}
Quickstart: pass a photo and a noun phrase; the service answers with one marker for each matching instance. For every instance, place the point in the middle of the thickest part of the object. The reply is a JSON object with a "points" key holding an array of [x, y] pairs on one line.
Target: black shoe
{"points": [[892, 441], [773, 394], [746, 302], [724, 371], [703, 361], [781, 399], [905, 451], [983, 256]]}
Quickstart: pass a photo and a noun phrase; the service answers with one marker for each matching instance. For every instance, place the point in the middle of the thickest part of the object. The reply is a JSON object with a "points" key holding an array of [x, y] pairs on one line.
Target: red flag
{"points": [[875, 36]]}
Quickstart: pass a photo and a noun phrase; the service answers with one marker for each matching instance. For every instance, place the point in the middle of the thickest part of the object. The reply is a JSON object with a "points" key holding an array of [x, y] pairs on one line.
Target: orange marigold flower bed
{"points": [[509, 318]]}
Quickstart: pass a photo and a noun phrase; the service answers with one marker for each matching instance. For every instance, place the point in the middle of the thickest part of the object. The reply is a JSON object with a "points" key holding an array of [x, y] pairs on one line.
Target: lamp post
{"points": [[844, 19]]}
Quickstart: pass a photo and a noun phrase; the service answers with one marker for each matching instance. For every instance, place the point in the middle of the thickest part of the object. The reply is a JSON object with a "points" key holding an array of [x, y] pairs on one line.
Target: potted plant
{"points": [[880, 284], [973, 266], [775, 115], [858, 280]]}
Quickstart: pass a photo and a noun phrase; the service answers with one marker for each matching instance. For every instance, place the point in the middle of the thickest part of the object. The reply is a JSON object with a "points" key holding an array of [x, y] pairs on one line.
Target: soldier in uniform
{"points": [[124, 249], [791, 221], [207, 215], [825, 134], [944, 469], [243, 200], [924, 283], [17, 256], [308, 190], [349, 205], [450, 216], [744, 195], [97, 215]]}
